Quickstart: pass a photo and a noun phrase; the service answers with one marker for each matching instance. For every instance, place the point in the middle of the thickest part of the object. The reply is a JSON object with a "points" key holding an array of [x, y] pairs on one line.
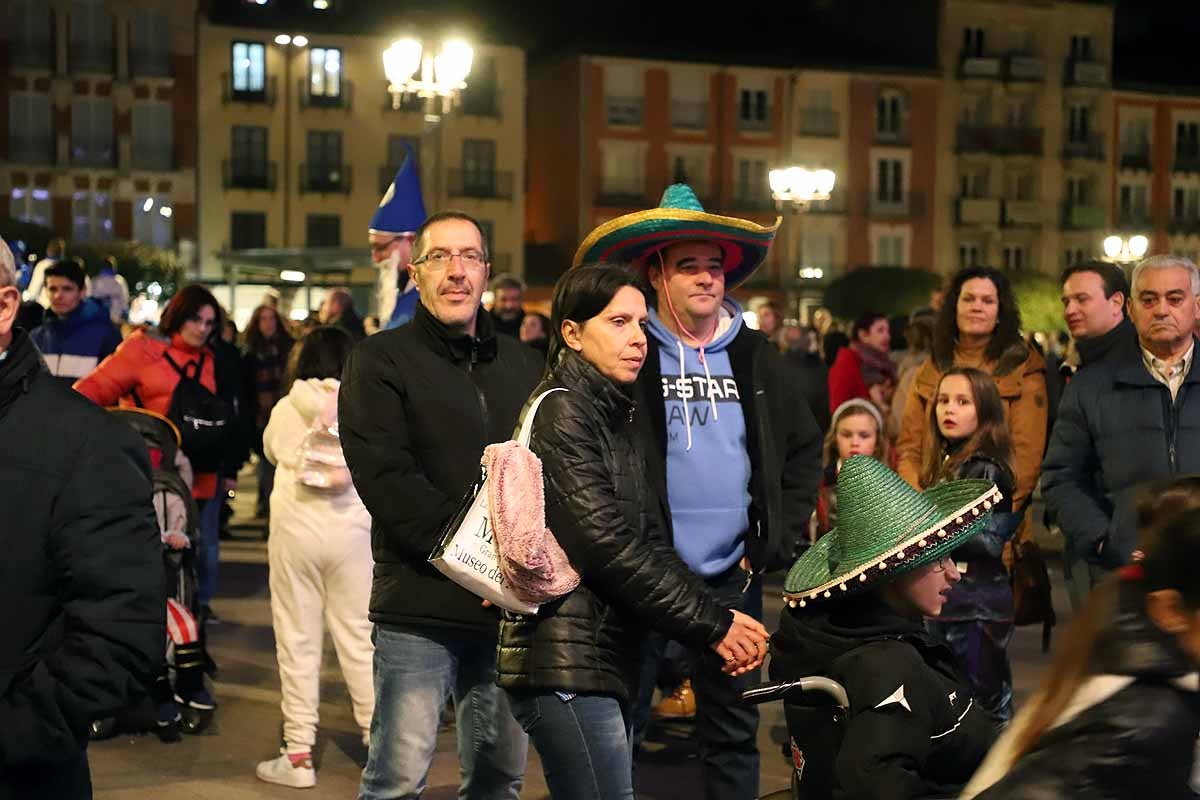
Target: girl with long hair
{"points": [[856, 430], [968, 438]]}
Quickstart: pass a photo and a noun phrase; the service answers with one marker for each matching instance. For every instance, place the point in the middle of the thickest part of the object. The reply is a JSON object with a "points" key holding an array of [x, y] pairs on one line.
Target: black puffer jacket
{"points": [[1137, 743], [416, 408], [598, 509], [81, 578]]}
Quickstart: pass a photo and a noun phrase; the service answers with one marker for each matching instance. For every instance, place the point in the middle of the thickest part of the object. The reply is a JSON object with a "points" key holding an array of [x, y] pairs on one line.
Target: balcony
{"points": [[896, 205], [818, 122], [1137, 159], [1086, 73], [624, 110], [1019, 67], [482, 184], [1079, 217], [752, 201], [1090, 148], [264, 94], [1022, 214], [622, 193], [27, 54], [834, 205], [481, 102], [153, 158], [1134, 219], [975, 139], [898, 136], [150, 63], [326, 178], [343, 98], [251, 175], [91, 59], [1017, 140], [981, 66], [1184, 226], [31, 150], [690, 115], [1186, 162], [754, 124], [978, 211], [93, 154]]}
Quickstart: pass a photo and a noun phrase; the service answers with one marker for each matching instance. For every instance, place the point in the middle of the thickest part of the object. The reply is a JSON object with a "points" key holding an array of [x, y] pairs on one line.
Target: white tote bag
{"points": [[466, 552]]}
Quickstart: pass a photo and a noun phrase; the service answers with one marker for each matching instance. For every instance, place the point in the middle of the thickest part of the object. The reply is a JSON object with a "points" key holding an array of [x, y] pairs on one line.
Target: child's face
{"points": [[956, 416], [856, 436]]}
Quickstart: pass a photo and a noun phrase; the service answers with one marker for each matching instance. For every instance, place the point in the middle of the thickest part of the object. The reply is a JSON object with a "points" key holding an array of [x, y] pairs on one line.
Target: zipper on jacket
{"points": [[483, 406], [1172, 434]]}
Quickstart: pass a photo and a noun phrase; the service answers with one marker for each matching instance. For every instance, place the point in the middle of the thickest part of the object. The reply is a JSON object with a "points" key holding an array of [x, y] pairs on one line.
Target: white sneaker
{"points": [[282, 771]]}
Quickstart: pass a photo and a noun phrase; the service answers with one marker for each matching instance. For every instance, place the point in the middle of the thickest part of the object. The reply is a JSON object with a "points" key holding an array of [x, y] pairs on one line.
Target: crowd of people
{"points": [[683, 456]]}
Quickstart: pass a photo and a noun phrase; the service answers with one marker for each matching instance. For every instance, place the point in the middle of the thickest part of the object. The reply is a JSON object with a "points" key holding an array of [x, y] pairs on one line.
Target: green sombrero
{"points": [[679, 218], [886, 528]]}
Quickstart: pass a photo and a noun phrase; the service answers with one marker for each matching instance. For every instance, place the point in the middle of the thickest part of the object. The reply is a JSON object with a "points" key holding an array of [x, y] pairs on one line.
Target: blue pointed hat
{"points": [[401, 210]]}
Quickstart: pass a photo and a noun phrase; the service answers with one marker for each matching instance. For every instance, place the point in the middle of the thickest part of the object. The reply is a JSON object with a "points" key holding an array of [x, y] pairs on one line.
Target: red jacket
{"points": [[846, 379], [138, 364]]}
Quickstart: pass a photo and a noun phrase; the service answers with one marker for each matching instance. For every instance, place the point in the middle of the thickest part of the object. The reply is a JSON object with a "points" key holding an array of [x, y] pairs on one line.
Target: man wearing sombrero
{"points": [[856, 605], [732, 448]]}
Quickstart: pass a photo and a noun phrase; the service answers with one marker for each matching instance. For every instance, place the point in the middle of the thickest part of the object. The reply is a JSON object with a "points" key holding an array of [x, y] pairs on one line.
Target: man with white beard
{"points": [[393, 228]]}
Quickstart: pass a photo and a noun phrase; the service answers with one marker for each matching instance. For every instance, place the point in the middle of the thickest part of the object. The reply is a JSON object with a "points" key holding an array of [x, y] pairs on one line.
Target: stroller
{"points": [[184, 704]]}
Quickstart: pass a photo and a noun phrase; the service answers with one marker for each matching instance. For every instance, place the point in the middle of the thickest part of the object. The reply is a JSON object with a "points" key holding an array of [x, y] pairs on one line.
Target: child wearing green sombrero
{"points": [[856, 605]]}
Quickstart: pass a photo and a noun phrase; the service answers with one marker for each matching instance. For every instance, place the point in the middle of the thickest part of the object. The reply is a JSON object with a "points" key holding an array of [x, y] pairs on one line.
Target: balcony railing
{"points": [[481, 102], [343, 98], [484, 184], [264, 94], [31, 150], [1137, 159], [689, 115], [252, 175], [1021, 67], [93, 154], [1019, 140], [1078, 217], [1086, 73], [150, 63], [624, 110], [978, 211], [622, 193], [158, 158], [1184, 226], [1022, 214], [895, 136], [754, 124], [326, 178], [985, 66], [890, 204], [1091, 147], [91, 58], [1138, 218], [975, 138], [1187, 162], [818, 122]]}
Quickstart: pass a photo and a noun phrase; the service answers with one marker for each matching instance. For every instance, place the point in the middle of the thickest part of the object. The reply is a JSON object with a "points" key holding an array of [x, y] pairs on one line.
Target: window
{"points": [[247, 229], [975, 110], [30, 34], [624, 172], [1187, 140], [972, 42], [31, 205], [1022, 41], [92, 131], [324, 160], [752, 186], [481, 97], [623, 94], [817, 251], [889, 111], [91, 217], [1079, 191], [973, 182], [325, 73], [753, 109], [91, 42], [1081, 48], [689, 99], [1073, 256], [968, 255], [152, 139], [479, 167], [148, 38], [152, 221], [1020, 113], [889, 181], [889, 250], [248, 162], [1185, 204], [1019, 185], [1135, 136], [1078, 123], [1132, 203], [689, 168], [249, 68], [1014, 256], [323, 230], [30, 135]]}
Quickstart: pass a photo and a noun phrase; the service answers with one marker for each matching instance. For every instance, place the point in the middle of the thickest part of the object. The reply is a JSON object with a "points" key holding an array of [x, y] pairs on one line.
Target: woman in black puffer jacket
{"points": [[571, 669]]}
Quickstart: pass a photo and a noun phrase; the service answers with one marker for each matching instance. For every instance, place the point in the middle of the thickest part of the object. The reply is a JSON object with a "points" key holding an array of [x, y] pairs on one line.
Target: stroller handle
{"points": [[766, 692]]}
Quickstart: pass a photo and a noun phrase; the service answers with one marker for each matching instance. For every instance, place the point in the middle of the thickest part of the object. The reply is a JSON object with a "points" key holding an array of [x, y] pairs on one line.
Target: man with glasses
{"points": [[417, 407]]}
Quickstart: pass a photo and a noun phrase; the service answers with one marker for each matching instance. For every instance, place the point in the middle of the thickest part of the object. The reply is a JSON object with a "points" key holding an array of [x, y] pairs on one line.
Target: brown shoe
{"points": [[679, 704]]}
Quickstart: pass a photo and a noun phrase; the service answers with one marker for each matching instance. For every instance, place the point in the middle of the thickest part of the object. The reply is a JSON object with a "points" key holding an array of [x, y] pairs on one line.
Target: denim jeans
{"points": [[414, 675], [584, 743], [726, 729], [208, 551]]}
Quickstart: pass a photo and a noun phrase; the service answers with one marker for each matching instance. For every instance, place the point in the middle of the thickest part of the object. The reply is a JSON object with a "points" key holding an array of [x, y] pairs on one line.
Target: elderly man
{"points": [[84, 622], [732, 450], [393, 228], [1128, 419], [418, 404]]}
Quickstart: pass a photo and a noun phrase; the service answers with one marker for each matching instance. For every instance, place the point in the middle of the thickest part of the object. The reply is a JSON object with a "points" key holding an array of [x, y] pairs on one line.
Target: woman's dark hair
{"points": [[584, 292], [321, 354], [864, 322], [186, 304], [256, 342], [990, 439], [1008, 319], [543, 319], [831, 344]]}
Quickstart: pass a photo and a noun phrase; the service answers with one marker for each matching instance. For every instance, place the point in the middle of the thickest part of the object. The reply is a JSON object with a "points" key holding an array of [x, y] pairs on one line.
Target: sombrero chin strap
{"points": [[687, 420]]}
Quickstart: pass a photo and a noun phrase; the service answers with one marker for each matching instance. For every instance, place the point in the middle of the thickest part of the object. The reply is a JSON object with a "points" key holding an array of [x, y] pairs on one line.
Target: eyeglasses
{"points": [[440, 259], [379, 247], [941, 564]]}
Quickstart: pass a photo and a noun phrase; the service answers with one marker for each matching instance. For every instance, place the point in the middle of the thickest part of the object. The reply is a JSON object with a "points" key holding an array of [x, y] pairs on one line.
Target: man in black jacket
{"points": [[733, 451], [1127, 419], [418, 404], [81, 579]]}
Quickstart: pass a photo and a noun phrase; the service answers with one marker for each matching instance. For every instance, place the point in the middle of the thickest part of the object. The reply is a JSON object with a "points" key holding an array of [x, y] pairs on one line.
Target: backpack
{"points": [[202, 417]]}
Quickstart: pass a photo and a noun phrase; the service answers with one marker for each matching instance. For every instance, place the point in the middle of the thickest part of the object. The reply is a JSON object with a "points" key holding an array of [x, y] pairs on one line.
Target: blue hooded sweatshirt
{"points": [[73, 345], [708, 466]]}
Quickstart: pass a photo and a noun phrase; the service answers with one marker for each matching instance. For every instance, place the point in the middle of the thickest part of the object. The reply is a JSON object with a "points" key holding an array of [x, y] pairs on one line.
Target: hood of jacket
{"points": [[20, 363], [728, 324], [811, 641], [316, 397], [88, 312]]}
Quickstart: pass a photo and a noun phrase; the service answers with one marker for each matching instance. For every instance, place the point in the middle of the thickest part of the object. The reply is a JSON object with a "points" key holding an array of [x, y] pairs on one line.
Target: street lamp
{"points": [[441, 76], [1122, 250], [801, 186]]}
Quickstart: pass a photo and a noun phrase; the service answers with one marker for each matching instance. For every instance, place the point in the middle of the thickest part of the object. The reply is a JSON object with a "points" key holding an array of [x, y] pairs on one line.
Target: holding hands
{"points": [[744, 646]]}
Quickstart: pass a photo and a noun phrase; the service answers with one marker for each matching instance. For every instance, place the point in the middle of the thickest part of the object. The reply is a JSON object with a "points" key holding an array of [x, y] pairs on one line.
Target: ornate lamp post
{"points": [[798, 188], [442, 76], [1125, 250]]}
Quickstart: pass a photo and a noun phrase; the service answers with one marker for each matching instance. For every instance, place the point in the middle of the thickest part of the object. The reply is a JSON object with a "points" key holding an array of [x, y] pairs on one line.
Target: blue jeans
{"points": [[208, 551], [414, 675], [584, 742]]}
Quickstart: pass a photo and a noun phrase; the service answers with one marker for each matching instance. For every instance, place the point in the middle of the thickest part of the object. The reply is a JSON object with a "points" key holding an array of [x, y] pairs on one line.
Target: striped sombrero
{"points": [[886, 528], [679, 218]]}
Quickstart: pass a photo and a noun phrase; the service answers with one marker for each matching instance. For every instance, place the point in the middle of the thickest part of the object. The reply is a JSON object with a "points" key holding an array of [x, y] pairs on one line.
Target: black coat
{"points": [[1137, 743], [1117, 429], [913, 729], [598, 508], [81, 580], [813, 379], [782, 437], [985, 592], [416, 408]]}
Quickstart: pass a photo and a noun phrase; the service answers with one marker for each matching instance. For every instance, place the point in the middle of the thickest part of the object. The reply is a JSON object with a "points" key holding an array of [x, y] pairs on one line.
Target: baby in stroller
{"points": [[186, 705], [856, 602]]}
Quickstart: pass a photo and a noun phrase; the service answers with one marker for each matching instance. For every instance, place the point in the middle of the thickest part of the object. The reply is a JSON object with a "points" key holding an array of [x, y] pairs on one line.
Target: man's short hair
{"points": [[1112, 277], [8, 267], [506, 280], [1168, 262], [441, 216], [56, 247], [67, 269], [342, 296]]}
